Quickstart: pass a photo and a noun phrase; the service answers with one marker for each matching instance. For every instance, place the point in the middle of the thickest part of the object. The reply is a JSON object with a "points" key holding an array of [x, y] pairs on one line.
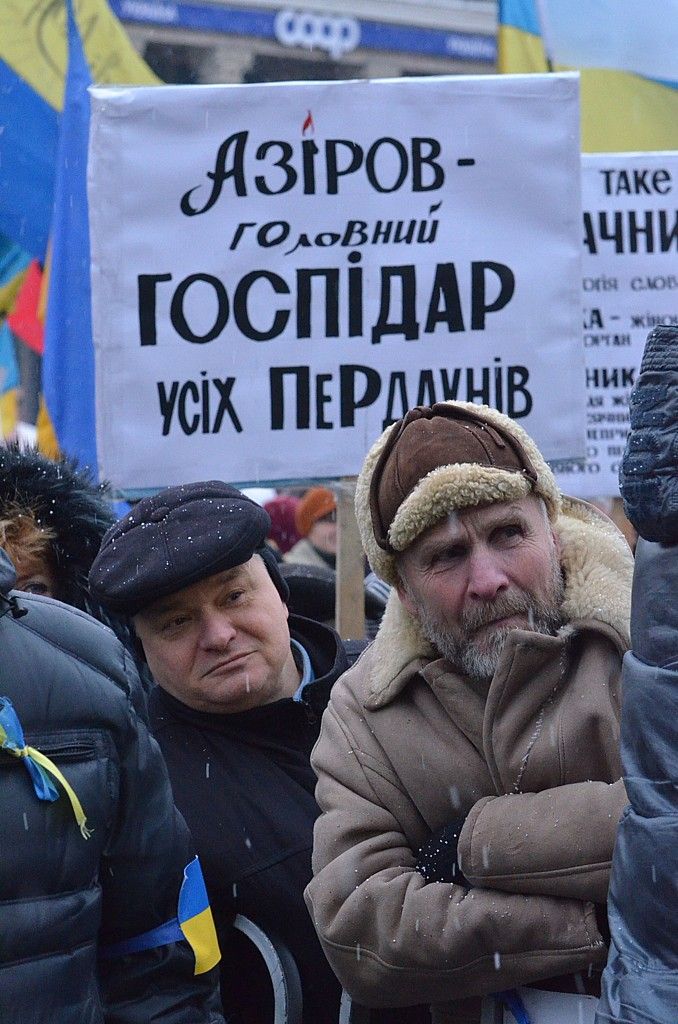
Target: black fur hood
{"points": [[66, 499]]}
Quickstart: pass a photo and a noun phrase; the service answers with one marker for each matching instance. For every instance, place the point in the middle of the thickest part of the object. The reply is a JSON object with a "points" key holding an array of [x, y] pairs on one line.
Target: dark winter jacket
{"points": [[246, 787], [62, 896], [640, 982]]}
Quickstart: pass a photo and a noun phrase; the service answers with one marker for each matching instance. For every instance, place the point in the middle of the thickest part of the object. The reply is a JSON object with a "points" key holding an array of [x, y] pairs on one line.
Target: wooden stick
{"points": [[350, 595]]}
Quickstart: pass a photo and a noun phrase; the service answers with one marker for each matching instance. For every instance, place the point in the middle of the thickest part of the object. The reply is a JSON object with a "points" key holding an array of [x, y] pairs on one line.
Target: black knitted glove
{"points": [[648, 477], [437, 859]]}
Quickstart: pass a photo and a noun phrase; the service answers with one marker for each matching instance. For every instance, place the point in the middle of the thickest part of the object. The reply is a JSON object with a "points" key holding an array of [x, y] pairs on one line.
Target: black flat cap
{"points": [[173, 539]]}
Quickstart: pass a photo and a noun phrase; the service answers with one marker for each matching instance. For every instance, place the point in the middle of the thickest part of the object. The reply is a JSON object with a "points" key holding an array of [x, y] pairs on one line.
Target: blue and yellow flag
{"points": [[194, 923], [627, 55], [195, 919], [33, 60], [43, 157]]}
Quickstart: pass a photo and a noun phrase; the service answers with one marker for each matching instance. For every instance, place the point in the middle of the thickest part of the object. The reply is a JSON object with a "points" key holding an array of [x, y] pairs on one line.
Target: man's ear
{"points": [[405, 597]]}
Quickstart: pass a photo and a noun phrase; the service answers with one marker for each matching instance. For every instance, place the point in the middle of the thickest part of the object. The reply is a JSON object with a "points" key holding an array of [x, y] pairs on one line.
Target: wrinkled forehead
{"points": [[478, 520]]}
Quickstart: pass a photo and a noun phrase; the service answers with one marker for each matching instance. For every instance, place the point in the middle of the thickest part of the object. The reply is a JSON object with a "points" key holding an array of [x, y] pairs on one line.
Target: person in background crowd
{"points": [[316, 521], [99, 888], [468, 763], [241, 688], [312, 594], [640, 982], [283, 533]]}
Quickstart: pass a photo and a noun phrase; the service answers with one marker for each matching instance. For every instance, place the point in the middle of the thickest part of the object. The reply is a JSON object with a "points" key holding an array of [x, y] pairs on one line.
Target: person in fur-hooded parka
{"points": [[53, 516], [468, 764]]}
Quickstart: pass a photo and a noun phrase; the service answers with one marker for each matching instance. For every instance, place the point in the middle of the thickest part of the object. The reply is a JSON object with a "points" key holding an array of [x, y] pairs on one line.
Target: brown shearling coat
{"points": [[407, 746]]}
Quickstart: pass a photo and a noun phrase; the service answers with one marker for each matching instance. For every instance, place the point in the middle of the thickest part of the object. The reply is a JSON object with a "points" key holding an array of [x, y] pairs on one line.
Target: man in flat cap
{"points": [[468, 763], [241, 689]]}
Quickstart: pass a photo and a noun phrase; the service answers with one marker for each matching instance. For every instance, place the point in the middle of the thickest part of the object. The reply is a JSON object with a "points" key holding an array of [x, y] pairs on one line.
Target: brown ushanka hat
{"points": [[438, 459]]}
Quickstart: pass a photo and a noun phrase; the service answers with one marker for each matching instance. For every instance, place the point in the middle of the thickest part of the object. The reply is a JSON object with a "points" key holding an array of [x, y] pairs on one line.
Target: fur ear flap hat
{"points": [[438, 459]]}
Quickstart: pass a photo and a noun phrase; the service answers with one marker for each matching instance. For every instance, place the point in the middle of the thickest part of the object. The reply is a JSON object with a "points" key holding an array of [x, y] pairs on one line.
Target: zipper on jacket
{"points": [[58, 751], [69, 751]]}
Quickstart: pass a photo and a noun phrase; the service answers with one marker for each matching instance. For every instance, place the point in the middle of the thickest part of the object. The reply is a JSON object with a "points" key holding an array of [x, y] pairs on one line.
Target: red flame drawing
{"points": [[308, 125]]}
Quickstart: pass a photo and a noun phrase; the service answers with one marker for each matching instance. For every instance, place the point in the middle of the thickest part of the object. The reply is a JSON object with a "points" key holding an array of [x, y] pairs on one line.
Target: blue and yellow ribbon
{"points": [[194, 923], [39, 766]]}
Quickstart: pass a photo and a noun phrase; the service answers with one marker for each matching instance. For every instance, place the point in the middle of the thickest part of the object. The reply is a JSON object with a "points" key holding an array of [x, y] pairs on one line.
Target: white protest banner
{"points": [[630, 285], [279, 271]]}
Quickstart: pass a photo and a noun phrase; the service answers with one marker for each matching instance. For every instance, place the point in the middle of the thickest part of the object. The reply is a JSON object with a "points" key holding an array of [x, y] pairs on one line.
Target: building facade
{"points": [[209, 41]]}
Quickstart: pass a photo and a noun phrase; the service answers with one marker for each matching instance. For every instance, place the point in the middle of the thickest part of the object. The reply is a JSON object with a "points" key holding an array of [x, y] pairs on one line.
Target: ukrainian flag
{"points": [[195, 919], [41, 196], [626, 52], [33, 59]]}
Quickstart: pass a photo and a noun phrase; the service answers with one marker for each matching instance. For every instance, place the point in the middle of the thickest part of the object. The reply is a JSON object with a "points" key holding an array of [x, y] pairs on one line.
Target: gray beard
{"points": [[478, 659]]}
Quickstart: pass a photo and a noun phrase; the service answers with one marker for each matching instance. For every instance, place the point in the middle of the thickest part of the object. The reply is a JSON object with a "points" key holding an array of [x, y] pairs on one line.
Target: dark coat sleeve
{"points": [[640, 982], [141, 875]]}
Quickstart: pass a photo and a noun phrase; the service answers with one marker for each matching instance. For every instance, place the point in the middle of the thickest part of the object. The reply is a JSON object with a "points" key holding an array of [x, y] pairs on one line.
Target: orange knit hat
{"points": [[316, 503]]}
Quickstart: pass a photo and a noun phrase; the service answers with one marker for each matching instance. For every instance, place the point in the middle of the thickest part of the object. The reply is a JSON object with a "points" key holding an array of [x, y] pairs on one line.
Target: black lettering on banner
{"points": [[355, 296], [407, 325], [348, 402], [636, 181], [609, 233], [505, 388], [180, 397], [321, 400], [479, 305], [421, 160], [350, 238], [600, 284], [387, 164], [304, 301], [397, 384], [167, 403], [302, 384], [407, 236], [178, 318], [445, 289], [265, 236], [450, 387], [646, 231], [309, 151], [290, 178], [220, 174], [636, 230], [304, 241], [371, 165], [205, 386], [224, 387], [426, 389], [589, 234], [241, 313], [239, 232], [334, 171], [189, 387], [668, 238], [659, 283], [518, 377], [146, 290], [324, 239], [491, 289], [381, 232]]}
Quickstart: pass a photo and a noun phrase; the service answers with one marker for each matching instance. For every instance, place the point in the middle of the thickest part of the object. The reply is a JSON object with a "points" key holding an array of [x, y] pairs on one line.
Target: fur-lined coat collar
{"points": [[598, 567]]}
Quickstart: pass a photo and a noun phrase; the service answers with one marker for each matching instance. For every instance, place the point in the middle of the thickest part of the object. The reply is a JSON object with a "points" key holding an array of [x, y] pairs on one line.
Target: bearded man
{"points": [[468, 764]]}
